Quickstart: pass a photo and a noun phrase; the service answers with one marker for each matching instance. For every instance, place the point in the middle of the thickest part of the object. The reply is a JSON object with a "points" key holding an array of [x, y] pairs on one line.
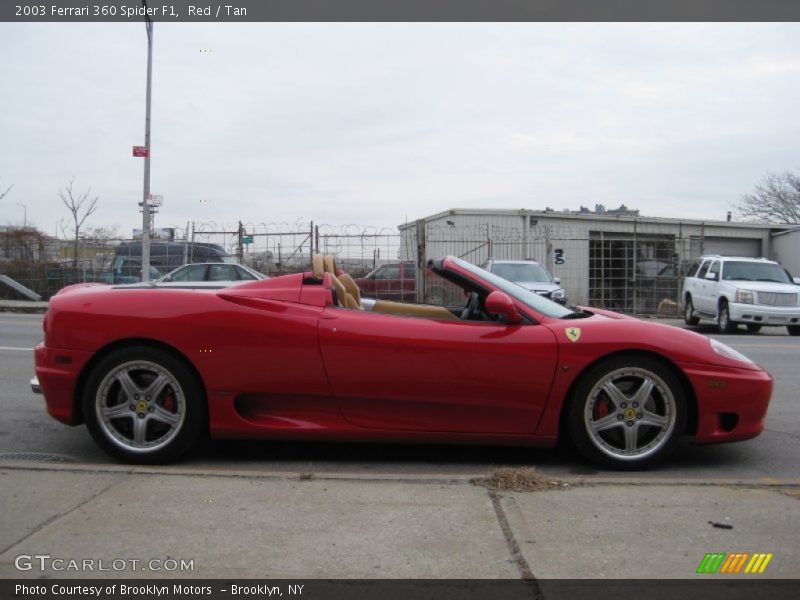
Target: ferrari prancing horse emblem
{"points": [[573, 333]]}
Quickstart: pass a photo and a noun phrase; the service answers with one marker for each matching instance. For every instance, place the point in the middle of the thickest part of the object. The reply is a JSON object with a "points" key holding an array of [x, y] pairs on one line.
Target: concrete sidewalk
{"points": [[238, 524]]}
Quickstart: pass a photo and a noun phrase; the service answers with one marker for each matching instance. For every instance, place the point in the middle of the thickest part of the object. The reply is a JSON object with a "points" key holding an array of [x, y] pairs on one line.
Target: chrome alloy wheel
{"points": [[140, 406], [630, 413]]}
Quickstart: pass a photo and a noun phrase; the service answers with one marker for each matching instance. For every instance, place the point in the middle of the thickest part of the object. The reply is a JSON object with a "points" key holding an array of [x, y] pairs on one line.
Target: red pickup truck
{"points": [[393, 281], [398, 281]]}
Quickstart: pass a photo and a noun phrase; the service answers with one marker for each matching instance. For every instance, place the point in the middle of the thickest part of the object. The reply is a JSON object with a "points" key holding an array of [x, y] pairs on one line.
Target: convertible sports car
{"points": [[305, 357]]}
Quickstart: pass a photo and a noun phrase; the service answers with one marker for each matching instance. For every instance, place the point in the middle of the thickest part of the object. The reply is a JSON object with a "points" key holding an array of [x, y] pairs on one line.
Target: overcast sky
{"points": [[375, 124]]}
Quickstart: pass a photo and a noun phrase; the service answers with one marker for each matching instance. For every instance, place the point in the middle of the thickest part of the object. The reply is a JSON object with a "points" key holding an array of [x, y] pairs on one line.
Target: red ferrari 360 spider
{"points": [[304, 356]]}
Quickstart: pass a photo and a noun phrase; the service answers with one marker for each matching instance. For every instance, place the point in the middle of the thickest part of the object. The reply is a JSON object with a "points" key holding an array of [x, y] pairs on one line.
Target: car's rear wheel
{"points": [[753, 327], [688, 315], [627, 413], [144, 405], [793, 329], [724, 323]]}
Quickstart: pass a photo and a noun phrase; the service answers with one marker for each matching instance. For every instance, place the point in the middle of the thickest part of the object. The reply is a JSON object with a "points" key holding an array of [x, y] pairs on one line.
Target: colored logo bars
{"points": [[734, 563]]}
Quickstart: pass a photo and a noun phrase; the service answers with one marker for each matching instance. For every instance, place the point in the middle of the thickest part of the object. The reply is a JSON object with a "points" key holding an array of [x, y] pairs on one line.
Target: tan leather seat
{"points": [[318, 266], [343, 296], [329, 262], [341, 293], [352, 289], [426, 311]]}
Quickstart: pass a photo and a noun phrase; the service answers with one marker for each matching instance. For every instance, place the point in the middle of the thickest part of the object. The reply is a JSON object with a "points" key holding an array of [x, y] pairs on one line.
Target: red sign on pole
{"points": [[141, 151]]}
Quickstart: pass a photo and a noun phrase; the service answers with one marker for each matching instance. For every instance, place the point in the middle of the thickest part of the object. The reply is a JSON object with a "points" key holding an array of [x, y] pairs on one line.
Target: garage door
{"points": [[731, 246]]}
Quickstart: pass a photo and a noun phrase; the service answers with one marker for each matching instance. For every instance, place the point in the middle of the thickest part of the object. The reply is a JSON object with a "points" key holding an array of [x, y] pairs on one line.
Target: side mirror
{"points": [[557, 280], [796, 280], [498, 303], [712, 276]]}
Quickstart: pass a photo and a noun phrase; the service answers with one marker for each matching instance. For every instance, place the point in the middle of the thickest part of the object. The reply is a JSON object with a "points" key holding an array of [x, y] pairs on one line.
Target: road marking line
{"points": [[16, 349], [768, 346], [19, 322]]}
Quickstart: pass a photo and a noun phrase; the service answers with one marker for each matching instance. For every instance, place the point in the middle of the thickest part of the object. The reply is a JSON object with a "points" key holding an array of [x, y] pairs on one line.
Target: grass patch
{"points": [[306, 476], [519, 479]]}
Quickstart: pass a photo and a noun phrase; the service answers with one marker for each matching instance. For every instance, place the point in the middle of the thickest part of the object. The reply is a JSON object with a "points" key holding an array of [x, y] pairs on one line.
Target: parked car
{"points": [[734, 290], [393, 281], [529, 274], [398, 282], [126, 266], [150, 370], [127, 270], [211, 275]]}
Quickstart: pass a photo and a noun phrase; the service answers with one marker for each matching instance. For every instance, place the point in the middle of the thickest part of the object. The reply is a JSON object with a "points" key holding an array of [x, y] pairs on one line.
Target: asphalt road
{"points": [[26, 428]]}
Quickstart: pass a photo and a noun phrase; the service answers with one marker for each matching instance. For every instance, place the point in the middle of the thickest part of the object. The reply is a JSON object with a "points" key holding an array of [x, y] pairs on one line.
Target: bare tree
{"points": [[775, 200], [75, 205]]}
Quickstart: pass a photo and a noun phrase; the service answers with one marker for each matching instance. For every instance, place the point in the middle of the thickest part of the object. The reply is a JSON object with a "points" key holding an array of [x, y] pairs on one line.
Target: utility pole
{"points": [[240, 243], [145, 199], [25, 215]]}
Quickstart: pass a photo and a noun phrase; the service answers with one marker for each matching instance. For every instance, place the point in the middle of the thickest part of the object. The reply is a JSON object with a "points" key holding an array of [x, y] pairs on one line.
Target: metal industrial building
{"points": [[609, 259]]}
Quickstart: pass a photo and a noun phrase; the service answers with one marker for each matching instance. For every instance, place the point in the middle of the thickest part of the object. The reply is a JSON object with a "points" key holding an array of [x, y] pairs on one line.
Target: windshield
{"points": [[521, 272], [753, 271], [530, 299]]}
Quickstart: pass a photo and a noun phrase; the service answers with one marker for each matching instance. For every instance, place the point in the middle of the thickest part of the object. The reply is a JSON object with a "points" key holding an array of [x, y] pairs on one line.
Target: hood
{"points": [[539, 286]]}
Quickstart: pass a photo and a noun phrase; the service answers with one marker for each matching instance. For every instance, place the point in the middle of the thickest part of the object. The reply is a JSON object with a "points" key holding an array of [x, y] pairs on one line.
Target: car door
{"points": [[700, 286], [711, 288], [420, 374]]}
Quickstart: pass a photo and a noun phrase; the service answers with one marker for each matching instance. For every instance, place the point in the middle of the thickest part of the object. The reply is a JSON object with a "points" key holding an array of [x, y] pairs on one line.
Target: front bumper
{"points": [[57, 372], [764, 315], [731, 403]]}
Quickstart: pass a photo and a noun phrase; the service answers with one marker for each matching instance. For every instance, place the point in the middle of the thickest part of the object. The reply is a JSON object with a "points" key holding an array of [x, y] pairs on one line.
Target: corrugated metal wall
{"points": [[638, 264]]}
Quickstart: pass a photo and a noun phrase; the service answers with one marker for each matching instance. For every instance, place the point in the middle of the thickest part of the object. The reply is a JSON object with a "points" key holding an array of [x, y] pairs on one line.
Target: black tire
{"points": [[606, 446], [688, 313], [724, 323], [753, 327], [167, 422], [793, 329]]}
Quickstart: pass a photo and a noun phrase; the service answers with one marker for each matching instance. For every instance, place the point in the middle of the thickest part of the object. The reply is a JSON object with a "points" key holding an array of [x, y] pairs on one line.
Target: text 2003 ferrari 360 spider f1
{"points": [[305, 357]]}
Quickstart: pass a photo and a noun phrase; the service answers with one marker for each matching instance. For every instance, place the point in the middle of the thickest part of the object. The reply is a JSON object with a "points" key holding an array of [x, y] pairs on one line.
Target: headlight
{"points": [[745, 297], [727, 351], [557, 295]]}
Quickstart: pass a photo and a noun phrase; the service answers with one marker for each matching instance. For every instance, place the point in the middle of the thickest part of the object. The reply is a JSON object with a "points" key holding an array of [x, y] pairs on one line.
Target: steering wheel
{"points": [[471, 307]]}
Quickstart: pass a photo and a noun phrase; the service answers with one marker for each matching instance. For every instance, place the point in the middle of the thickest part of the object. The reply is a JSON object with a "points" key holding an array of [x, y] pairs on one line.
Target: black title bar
{"points": [[241, 11], [705, 588]]}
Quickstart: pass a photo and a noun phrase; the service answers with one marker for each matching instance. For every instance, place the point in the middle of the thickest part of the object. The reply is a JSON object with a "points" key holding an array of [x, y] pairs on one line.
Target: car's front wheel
{"points": [[144, 405], [793, 329], [627, 413], [724, 323]]}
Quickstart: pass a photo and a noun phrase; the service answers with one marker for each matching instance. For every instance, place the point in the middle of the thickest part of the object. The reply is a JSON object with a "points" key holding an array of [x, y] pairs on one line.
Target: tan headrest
{"points": [[351, 287], [330, 264], [317, 266]]}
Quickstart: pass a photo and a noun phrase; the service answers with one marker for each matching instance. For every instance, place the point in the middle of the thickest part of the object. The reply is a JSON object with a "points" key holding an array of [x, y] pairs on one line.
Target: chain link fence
{"points": [[635, 274]]}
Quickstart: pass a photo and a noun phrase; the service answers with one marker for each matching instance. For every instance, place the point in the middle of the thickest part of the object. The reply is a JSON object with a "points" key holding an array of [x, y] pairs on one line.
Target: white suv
{"points": [[735, 290]]}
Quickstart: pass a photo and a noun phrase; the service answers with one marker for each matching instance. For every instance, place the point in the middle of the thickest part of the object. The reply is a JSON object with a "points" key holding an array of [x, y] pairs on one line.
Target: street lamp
{"points": [[25, 215], [146, 195]]}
